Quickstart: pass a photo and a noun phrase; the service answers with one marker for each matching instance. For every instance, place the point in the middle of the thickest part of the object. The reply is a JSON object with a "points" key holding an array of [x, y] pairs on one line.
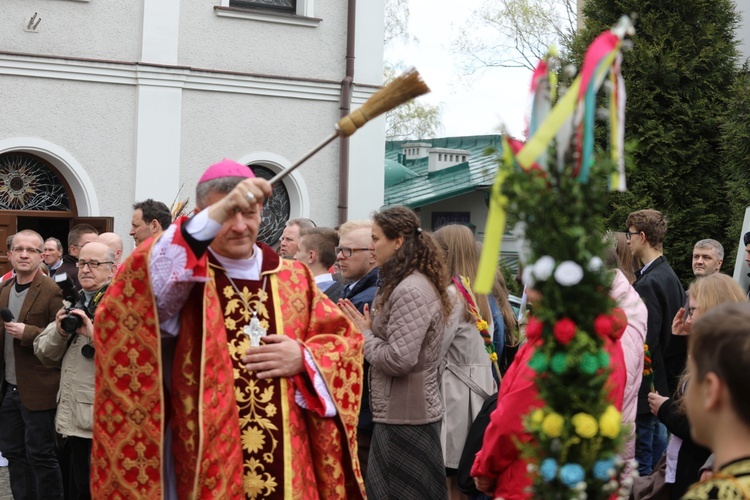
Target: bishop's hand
{"points": [[245, 196], [278, 356]]}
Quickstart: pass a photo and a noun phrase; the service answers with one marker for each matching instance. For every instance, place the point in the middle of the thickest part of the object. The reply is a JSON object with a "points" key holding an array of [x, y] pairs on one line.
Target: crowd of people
{"points": [[350, 362]]}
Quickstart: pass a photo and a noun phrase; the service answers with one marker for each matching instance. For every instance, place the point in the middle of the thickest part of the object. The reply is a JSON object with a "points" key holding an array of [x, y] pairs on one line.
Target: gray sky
{"points": [[498, 96]]}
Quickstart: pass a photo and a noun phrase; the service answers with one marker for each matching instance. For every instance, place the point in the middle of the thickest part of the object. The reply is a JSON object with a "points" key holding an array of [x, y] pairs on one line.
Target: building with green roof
{"points": [[446, 180]]}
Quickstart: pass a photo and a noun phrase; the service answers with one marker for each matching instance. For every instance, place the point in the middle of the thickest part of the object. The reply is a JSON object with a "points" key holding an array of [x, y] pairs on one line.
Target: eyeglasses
{"points": [[91, 263], [629, 235], [25, 249], [347, 252], [690, 311]]}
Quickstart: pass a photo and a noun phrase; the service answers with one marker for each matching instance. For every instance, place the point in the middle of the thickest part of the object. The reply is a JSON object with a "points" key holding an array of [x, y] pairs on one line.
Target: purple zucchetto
{"points": [[226, 168]]}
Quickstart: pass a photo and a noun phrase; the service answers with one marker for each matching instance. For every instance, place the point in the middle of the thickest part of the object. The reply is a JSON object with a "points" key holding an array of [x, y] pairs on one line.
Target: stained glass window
{"points": [[287, 5], [276, 210], [27, 182]]}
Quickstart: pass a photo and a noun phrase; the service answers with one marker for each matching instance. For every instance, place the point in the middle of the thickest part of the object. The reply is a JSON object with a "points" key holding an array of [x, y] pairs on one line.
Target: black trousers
{"points": [[78, 453], [27, 440]]}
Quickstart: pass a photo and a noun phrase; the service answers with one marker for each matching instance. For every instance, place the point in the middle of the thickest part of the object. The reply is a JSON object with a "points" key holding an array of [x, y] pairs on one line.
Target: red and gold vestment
{"points": [[234, 435]]}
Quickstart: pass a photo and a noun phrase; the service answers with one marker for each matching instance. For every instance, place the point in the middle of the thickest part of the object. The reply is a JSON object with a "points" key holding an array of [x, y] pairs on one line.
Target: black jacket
{"points": [[691, 456], [363, 292], [663, 295], [69, 266]]}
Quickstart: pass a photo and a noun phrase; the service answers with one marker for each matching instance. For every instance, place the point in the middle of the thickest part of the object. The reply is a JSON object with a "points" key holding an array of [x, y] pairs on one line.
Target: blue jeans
{"points": [[650, 443], [27, 440]]}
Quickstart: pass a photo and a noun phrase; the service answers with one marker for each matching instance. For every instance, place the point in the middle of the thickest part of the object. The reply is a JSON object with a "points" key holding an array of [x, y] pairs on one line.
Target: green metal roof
{"points": [[423, 188], [395, 173]]}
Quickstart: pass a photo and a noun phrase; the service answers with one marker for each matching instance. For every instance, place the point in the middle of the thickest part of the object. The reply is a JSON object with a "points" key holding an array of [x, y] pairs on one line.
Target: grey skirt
{"points": [[406, 462]]}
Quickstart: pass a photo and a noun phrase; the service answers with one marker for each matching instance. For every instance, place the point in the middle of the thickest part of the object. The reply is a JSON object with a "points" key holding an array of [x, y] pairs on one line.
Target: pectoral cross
{"points": [[254, 331]]}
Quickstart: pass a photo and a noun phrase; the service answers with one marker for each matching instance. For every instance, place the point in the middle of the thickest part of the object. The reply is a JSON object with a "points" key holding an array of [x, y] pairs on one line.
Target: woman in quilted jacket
{"points": [[403, 336]]}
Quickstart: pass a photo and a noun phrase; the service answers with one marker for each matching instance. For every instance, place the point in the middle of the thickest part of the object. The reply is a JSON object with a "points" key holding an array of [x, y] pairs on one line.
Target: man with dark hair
{"points": [[78, 236], [28, 389], [661, 291], [179, 337], [716, 398], [52, 255], [150, 218], [317, 249], [290, 236], [708, 255]]}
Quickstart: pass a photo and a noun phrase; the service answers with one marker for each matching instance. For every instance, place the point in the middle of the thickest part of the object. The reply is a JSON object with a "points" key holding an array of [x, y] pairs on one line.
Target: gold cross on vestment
{"points": [[141, 463], [134, 370]]}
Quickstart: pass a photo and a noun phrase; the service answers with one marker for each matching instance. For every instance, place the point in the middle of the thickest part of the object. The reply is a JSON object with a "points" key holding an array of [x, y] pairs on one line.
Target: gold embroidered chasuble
{"points": [[278, 450]]}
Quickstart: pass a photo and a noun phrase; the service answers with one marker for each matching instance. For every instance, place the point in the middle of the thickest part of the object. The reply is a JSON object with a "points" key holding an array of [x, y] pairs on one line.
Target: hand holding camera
{"points": [[75, 320]]}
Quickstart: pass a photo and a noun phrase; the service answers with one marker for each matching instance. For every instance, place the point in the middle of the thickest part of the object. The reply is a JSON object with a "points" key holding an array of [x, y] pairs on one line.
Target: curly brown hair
{"points": [[418, 253]]}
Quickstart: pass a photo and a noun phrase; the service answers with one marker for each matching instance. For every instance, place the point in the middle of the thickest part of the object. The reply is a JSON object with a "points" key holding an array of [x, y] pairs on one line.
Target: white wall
{"points": [[93, 122], [142, 130], [235, 126], [97, 29], [210, 41]]}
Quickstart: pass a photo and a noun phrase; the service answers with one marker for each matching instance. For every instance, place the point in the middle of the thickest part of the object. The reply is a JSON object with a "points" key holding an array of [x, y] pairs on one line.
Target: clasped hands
{"points": [[362, 321]]}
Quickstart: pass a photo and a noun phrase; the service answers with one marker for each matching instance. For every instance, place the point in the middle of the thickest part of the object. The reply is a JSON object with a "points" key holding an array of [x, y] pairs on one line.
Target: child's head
{"points": [[719, 363]]}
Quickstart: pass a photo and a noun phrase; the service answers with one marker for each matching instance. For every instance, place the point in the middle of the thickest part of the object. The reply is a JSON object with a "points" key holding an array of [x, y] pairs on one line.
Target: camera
{"points": [[70, 323], [67, 286]]}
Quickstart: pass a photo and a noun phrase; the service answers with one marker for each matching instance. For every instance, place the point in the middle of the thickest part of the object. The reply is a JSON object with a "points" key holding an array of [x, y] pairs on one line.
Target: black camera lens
{"points": [[88, 351], [70, 323]]}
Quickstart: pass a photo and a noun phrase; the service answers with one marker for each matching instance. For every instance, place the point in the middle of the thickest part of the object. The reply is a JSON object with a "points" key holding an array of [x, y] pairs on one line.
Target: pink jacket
{"points": [[632, 345]]}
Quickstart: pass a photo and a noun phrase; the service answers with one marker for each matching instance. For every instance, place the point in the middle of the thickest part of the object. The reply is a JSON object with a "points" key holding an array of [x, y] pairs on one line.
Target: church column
{"points": [[159, 113]]}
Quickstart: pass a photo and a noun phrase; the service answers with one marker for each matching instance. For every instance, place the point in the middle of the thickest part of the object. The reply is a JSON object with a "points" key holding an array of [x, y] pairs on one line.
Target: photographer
{"points": [[70, 338]]}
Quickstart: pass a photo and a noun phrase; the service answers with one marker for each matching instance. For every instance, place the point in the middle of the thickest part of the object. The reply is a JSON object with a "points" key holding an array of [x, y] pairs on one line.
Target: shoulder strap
{"points": [[458, 372]]}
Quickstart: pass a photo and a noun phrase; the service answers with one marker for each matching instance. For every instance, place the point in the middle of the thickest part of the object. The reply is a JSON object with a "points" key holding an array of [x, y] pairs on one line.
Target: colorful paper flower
{"points": [[493, 357], [548, 469], [564, 330], [603, 359], [604, 469], [604, 325], [528, 276], [482, 325], [610, 422], [585, 425], [539, 362], [589, 363], [620, 321], [537, 416], [552, 425], [543, 268], [595, 264], [534, 328], [572, 474], [559, 363], [568, 273]]}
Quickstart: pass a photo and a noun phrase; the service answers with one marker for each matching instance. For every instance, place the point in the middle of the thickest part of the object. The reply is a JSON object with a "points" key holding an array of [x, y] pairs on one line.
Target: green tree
{"points": [[679, 78], [736, 150]]}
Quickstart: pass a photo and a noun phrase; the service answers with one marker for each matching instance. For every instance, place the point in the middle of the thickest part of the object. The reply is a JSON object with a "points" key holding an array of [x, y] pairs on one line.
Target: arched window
{"points": [[276, 210], [27, 182]]}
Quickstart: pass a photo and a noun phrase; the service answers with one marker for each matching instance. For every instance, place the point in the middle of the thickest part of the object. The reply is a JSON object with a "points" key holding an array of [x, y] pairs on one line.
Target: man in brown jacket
{"points": [[28, 389]]}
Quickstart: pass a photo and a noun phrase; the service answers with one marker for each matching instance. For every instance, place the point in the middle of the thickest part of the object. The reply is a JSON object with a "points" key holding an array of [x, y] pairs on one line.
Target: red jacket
{"points": [[499, 457]]}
